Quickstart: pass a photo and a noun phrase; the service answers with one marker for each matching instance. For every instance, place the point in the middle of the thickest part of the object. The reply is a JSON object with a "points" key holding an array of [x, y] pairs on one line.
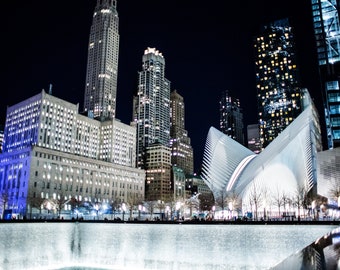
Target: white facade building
{"points": [[51, 151]]}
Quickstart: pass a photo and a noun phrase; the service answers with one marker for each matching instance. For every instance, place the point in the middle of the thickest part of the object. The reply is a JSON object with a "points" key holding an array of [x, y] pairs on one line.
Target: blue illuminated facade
{"points": [[52, 155]]}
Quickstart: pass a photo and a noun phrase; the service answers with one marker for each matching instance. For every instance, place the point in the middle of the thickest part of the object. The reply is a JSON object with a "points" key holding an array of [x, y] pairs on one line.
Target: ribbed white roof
{"points": [[227, 165]]}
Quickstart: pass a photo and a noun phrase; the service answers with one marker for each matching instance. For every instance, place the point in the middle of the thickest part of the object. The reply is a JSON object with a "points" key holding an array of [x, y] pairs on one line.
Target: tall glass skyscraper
{"points": [[102, 62], [152, 104], [327, 36], [231, 117], [277, 80]]}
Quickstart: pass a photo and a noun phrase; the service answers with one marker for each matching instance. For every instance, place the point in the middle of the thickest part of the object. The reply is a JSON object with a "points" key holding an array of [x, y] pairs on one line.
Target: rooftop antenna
{"points": [[50, 90]]}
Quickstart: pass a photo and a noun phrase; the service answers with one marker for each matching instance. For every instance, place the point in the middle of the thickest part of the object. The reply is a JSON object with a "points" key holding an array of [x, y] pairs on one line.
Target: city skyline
{"points": [[207, 49]]}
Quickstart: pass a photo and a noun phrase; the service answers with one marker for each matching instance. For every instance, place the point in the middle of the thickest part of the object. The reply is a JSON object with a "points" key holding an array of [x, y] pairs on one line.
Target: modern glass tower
{"points": [[102, 62], [277, 80], [151, 105], [231, 117], [327, 36]]}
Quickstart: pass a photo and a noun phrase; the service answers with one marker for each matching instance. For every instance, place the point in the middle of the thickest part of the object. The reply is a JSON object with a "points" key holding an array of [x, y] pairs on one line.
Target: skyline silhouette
{"points": [[207, 49]]}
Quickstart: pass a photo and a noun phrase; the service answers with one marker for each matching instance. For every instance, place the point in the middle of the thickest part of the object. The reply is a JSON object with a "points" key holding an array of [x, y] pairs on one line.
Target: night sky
{"points": [[207, 46]]}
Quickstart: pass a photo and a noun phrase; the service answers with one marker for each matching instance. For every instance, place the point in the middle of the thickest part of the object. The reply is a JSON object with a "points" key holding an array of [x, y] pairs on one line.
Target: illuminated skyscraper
{"points": [[181, 149], [151, 115], [102, 62], [327, 36], [152, 104], [231, 117], [277, 80]]}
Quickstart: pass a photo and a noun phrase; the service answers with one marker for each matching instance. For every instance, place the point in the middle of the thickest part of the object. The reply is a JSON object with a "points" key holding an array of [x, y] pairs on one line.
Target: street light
{"points": [[213, 210], [178, 206], [167, 209], [139, 210], [48, 206], [96, 206], [123, 208], [231, 209]]}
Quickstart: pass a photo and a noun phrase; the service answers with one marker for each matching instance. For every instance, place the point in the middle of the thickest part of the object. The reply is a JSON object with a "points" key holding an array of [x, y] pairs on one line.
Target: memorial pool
{"points": [[77, 245]]}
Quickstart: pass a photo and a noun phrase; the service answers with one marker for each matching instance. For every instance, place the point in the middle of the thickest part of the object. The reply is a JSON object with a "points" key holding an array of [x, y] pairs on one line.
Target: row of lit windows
{"points": [[88, 165], [30, 110]]}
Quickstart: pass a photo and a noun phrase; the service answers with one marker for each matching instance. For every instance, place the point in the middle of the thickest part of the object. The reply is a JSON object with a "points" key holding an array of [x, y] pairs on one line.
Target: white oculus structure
{"points": [[286, 165]]}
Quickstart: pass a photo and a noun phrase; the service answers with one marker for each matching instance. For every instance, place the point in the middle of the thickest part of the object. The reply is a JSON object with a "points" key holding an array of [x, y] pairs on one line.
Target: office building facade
{"points": [[231, 117], [102, 62], [277, 80], [158, 184], [151, 105], [182, 154], [52, 154], [151, 116], [327, 36]]}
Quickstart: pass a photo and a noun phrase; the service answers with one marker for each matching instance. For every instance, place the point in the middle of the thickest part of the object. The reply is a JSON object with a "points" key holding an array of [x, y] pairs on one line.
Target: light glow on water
{"points": [[87, 246]]}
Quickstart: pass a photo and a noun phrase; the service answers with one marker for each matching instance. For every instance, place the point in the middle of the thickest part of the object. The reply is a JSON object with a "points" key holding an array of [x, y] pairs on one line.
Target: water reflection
{"points": [[323, 254], [80, 245]]}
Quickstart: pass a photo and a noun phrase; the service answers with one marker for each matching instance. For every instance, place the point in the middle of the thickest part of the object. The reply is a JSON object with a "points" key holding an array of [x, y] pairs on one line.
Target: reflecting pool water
{"points": [[151, 246]]}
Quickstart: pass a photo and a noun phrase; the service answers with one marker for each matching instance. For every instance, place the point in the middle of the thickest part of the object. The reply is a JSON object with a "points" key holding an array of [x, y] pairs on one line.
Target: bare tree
{"points": [[285, 200], [150, 205], [59, 203], [35, 202], [234, 201], [256, 198], [133, 202], [221, 200], [277, 200], [74, 203], [298, 199], [4, 201]]}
